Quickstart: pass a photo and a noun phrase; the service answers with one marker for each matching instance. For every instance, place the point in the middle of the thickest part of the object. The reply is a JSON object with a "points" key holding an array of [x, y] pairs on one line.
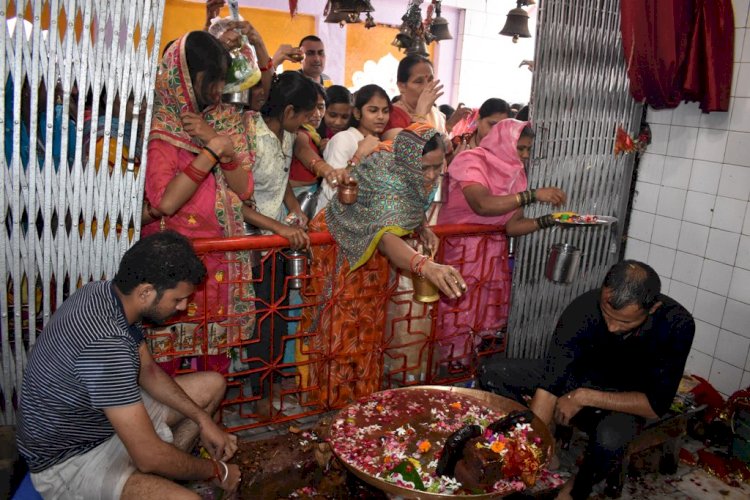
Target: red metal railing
{"points": [[272, 356]]}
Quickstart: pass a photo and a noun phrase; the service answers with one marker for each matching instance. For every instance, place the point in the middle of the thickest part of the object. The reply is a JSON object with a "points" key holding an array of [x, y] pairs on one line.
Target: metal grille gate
{"points": [[579, 97], [69, 207]]}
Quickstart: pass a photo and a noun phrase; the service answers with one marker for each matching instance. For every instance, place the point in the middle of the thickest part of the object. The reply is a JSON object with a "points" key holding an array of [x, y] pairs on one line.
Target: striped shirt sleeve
{"points": [[108, 369]]}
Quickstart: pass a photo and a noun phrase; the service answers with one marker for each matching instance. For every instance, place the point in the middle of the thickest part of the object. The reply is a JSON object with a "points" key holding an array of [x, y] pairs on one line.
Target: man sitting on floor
{"points": [[98, 418], [615, 361]]}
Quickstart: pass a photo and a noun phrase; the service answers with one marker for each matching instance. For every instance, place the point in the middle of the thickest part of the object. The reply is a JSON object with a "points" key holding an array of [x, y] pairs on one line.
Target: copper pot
{"points": [[348, 192]]}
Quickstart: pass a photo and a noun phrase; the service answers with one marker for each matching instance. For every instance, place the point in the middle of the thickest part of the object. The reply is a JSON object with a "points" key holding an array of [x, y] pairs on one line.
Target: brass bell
{"points": [[353, 6], [517, 24], [418, 47], [333, 14], [403, 40], [369, 21], [439, 29], [335, 18], [439, 26]]}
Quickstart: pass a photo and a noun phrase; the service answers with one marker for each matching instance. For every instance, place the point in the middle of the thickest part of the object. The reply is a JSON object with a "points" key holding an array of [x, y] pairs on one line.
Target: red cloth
{"points": [[297, 171], [397, 119], [679, 50]]}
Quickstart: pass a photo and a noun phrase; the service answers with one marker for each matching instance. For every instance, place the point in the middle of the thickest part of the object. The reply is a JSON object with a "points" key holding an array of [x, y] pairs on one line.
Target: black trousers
{"points": [[270, 326], [609, 433]]}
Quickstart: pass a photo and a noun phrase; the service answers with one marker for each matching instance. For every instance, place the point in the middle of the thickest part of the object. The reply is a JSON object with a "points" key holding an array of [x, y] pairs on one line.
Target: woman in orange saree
{"points": [[342, 329]]}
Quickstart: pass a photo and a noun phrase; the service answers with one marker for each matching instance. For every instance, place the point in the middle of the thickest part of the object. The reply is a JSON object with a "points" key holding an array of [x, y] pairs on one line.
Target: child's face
{"points": [[337, 116], [320, 110]]}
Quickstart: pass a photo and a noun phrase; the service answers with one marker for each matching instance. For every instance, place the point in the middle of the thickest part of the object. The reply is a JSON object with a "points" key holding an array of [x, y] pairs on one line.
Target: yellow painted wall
{"points": [[276, 27], [364, 45]]}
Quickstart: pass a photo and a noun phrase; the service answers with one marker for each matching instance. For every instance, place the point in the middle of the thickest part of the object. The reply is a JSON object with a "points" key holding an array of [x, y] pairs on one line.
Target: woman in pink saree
{"points": [[487, 186]]}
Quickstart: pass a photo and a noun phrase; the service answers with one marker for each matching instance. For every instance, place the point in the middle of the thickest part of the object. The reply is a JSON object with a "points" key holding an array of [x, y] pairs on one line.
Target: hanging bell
{"points": [[404, 39], [353, 6], [439, 26], [517, 24], [439, 29], [369, 21], [333, 14], [418, 47], [335, 18]]}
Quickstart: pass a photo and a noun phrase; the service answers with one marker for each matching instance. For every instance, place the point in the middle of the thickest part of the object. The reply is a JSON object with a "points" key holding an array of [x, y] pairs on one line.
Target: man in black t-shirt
{"points": [[615, 361]]}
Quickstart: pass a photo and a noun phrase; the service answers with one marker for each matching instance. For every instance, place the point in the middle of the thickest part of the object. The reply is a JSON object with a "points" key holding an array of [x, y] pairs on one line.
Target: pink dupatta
{"points": [[494, 164]]}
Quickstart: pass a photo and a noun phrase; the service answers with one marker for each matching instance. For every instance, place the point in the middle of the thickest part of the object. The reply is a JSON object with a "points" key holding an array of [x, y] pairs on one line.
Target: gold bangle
{"points": [[518, 200]]}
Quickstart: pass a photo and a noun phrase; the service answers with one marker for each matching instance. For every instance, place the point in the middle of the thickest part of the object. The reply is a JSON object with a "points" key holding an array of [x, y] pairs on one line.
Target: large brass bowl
{"points": [[492, 401]]}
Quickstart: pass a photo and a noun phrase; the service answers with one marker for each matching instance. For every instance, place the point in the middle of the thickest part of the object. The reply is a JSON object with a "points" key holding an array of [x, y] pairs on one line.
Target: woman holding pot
{"points": [[343, 341], [487, 186]]}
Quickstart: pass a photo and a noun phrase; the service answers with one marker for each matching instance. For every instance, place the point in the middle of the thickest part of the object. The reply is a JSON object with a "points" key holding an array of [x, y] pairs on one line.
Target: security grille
{"points": [[74, 71], [579, 98]]}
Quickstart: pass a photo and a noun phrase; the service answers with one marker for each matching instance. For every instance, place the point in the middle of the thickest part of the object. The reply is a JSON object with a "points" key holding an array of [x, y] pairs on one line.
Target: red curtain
{"points": [[679, 50]]}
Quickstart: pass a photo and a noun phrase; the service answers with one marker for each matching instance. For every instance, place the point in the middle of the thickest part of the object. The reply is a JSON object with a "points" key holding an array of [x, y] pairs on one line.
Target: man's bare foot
{"points": [[564, 493]]}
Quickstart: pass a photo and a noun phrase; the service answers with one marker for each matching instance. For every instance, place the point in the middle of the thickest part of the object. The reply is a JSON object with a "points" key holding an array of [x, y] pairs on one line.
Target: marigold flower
{"points": [[424, 446], [456, 405], [497, 446]]}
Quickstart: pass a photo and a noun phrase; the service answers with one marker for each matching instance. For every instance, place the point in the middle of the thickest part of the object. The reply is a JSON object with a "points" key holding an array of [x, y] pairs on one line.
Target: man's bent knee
{"points": [[615, 432]]}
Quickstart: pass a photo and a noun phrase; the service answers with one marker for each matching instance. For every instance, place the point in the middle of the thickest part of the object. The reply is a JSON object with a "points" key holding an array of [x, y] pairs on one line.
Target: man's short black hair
{"points": [[163, 260], [632, 282], [309, 38]]}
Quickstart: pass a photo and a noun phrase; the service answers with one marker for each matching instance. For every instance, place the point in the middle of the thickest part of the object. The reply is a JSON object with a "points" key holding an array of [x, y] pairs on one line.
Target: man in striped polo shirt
{"points": [[98, 418]]}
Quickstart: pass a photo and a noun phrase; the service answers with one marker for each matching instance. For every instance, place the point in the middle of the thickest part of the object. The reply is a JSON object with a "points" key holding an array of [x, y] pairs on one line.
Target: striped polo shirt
{"points": [[86, 359]]}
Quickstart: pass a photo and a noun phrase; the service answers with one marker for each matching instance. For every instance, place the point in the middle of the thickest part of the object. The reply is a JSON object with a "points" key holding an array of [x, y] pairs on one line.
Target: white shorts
{"points": [[100, 473]]}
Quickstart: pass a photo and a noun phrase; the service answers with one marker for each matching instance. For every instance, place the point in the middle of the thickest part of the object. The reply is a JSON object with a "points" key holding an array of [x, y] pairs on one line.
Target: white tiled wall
{"points": [[691, 220]]}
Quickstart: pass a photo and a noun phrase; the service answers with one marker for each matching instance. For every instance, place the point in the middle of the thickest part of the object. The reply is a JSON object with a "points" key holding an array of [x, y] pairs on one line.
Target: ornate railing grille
{"points": [[68, 210], [579, 97]]}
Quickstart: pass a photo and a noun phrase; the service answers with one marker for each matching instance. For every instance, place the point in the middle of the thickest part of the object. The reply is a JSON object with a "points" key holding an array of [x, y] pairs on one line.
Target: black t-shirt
{"points": [[649, 360]]}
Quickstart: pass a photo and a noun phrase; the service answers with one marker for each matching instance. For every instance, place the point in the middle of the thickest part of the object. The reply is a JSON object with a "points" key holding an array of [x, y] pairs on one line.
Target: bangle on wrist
{"points": [[526, 198], [229, 166], [411, 263], [226, 471], [313, 163], [211, 154], [246, 195], [545, 221], [150, 211], [195, 174], [268, 65], [217, 470], [420, 266]]}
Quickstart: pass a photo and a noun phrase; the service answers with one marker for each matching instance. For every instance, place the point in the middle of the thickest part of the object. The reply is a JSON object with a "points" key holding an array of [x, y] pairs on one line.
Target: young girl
{"points": [[307, 147], [372, 107], [290, 104], [338, 111], [469, 132]]}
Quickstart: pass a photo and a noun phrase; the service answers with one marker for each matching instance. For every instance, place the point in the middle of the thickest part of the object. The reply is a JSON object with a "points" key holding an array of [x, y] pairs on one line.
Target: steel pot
{"points": [[296, 267], [563, 260]]}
